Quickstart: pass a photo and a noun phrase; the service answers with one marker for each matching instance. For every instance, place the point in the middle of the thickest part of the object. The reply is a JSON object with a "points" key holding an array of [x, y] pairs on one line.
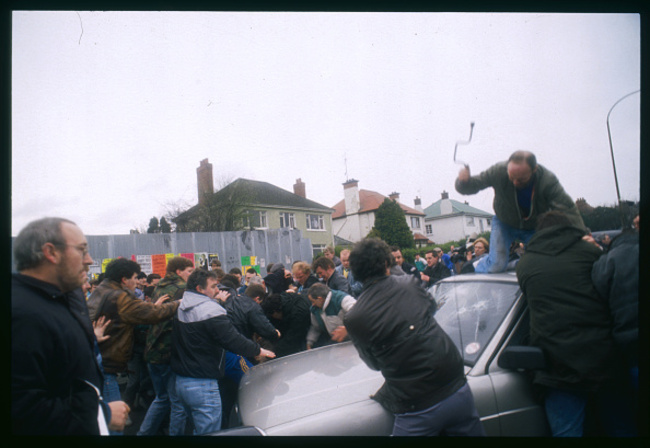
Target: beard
{"points": [[70, 278]]}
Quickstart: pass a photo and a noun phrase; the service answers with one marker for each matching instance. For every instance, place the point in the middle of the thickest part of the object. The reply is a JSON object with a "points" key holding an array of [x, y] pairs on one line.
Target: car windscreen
{"points": [[471, 312]]}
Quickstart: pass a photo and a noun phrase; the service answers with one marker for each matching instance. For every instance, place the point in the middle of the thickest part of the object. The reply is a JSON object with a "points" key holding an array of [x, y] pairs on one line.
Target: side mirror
{"points": [[522, 357]]}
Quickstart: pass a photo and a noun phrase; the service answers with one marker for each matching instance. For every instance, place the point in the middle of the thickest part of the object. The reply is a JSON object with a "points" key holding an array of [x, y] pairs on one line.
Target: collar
{"points": [[51, 290]]}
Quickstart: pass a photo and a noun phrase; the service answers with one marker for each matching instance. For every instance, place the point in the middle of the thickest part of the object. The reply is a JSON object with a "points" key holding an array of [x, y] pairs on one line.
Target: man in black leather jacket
{"points": [[393, 328]]}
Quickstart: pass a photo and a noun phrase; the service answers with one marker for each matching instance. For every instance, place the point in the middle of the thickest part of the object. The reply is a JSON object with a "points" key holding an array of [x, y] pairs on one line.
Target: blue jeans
{"points": [[111, 393], [161, 407], [454, 416], [201, 400], [565, 411], [501, 238]]}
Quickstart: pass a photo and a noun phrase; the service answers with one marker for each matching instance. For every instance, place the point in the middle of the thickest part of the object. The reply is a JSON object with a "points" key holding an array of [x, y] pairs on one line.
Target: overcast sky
{"points": [[112, 112]]}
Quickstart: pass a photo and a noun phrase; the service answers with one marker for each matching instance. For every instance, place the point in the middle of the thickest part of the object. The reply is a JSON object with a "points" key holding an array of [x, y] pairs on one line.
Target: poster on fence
{"points": [[145, 263], [201, 260], [94, 270], [249, 262], [159, 264], [105, 262], [212, 257], [189, 256]]}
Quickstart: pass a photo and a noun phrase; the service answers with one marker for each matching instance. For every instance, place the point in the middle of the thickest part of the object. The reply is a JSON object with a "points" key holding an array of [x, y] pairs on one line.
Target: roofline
{"points": [[322, 210], [451, 215]]}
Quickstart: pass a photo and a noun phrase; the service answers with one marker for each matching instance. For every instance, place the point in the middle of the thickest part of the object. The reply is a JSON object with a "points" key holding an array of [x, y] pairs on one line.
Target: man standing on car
{"points": [[393, 328], [523, 190]]}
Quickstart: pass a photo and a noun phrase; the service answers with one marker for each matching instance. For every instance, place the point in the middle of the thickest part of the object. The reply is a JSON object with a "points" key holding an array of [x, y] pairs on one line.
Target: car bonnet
{"points": [[305, 384]]}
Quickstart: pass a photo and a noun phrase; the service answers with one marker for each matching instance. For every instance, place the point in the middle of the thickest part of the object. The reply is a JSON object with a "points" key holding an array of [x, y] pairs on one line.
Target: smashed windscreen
{"points": [[470, 312]]}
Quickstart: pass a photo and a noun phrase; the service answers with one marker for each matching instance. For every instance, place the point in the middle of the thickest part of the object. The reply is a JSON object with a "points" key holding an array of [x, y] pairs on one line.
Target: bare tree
{"points": [[222, 211]]}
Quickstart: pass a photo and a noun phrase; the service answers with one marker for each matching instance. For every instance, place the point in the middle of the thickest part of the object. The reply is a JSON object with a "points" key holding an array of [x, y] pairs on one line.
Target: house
{"points": [[449, 220], [354, 215], [262, 206]]}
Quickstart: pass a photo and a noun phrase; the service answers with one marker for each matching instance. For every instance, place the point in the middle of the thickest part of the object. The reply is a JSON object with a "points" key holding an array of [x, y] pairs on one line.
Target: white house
{"points": [[449, 220], [354, 215]]}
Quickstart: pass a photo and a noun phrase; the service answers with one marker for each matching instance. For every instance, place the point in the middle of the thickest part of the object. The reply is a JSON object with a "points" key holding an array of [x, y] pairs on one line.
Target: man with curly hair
{"points": [[393, 328]]}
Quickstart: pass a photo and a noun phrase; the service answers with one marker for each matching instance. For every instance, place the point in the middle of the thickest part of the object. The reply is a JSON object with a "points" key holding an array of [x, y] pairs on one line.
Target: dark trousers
{"points": [[454, 416]]}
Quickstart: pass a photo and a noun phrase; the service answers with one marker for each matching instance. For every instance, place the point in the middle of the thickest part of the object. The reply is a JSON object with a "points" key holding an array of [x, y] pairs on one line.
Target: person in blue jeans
{"points": [[202, 332], [523, 190]]}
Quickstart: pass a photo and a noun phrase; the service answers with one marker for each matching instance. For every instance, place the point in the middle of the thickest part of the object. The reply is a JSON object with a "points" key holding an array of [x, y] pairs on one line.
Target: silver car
{"points": [[326, 391]]}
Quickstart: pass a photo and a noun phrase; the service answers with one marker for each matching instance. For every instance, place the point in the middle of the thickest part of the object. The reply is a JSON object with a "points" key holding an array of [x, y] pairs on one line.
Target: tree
{"points": [[610, 217], [153, 226], [223, 211], [390, 225], [165, 227]]}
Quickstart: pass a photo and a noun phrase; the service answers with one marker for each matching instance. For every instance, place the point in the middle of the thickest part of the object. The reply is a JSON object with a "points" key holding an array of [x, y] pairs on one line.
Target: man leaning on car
{"points": [[393, 329]]}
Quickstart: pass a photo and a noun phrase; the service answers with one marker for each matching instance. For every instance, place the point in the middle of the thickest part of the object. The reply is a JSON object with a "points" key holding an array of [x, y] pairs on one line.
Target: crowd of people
{"points": [[184, 341]]}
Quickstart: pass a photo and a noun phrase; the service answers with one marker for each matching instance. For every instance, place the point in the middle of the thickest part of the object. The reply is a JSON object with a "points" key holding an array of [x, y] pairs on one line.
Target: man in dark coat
{"points": [[436, 269], [393, 328], [326, 270], [616, 278], [289, 313], [571, 323], [56, 378]]}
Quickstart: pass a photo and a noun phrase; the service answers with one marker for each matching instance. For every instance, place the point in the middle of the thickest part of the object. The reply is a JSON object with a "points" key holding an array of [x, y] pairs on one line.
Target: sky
{"points": [[112, 112]]}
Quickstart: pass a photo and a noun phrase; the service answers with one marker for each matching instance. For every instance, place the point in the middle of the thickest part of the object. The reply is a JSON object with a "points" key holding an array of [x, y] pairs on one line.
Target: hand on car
{"points": [[339, 334], [590, 239], [264, 353]]}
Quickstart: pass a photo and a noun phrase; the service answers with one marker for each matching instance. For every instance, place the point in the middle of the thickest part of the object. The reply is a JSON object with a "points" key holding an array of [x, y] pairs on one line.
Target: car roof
{"points": [[507, 276]]}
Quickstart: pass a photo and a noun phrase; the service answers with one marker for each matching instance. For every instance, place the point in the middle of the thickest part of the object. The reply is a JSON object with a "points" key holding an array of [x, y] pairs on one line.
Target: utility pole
{"points": [[611, 150]]}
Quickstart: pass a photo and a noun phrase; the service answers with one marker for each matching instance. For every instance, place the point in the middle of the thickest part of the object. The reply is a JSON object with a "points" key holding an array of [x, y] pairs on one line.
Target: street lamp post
{"points": [[611, 150]]}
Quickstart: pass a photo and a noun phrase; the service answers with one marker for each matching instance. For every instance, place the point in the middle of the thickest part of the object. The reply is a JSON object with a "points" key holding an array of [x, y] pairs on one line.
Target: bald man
{"points": [[523, 190]]}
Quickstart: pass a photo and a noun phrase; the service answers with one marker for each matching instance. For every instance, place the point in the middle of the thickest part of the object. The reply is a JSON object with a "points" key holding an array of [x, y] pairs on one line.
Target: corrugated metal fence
{"points": [[269, 246]]}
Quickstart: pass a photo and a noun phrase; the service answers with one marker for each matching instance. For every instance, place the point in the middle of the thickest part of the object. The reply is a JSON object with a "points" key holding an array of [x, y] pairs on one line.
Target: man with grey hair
{"points": [[56, 377]]}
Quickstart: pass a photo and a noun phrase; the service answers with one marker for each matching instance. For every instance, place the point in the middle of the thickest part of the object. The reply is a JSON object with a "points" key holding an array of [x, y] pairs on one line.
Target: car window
{"points": [[470, 312]]}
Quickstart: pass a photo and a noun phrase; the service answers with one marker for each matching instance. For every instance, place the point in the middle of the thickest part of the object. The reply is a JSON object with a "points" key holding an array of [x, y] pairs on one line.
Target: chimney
{"points": [[299, 188], [394, 196], [205, 182], [418, 204], [351, 191], [446, 207]]}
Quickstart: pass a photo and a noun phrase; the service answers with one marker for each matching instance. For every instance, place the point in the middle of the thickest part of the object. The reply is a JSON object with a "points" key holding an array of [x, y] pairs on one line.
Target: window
{"points": [[315, 222], [429, 229], [415, 222], [470, 221], [471, 312], [489, 222], [317, 249], [256, 219], [287, 220]]}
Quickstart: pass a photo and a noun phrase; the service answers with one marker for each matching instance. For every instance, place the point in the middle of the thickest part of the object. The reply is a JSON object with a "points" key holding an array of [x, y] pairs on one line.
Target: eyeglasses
{"points": [[82, 249]]}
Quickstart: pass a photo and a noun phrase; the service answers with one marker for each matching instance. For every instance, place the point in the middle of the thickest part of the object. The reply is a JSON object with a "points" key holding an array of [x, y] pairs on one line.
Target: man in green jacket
{"points": [[523, 190], [157, 352]]}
